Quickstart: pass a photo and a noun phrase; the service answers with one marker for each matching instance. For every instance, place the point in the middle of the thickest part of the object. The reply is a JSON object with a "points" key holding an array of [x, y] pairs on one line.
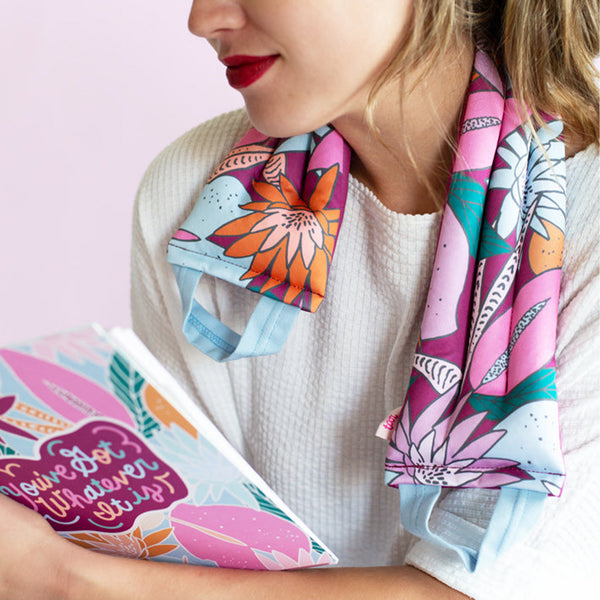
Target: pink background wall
{"points": [[90, 92]]}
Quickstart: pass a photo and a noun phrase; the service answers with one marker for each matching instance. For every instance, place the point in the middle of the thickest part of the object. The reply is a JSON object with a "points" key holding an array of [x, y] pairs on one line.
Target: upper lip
{"points": [[238, 60]]}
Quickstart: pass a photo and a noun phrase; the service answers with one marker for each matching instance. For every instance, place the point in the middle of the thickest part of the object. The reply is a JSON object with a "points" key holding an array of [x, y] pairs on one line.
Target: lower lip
{"points": [[242, 76]]}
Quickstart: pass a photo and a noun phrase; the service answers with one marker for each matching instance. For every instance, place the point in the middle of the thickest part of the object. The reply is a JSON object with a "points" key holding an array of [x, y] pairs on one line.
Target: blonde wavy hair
{"points": [[547, 46]]}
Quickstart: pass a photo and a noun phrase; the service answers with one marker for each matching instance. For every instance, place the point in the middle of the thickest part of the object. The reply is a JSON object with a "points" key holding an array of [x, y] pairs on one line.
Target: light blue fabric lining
{"points": [[266, 331], [514, 515]]}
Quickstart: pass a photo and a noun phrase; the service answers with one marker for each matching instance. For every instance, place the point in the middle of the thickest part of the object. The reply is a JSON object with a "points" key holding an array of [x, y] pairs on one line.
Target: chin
{"points": [[285, 125]]}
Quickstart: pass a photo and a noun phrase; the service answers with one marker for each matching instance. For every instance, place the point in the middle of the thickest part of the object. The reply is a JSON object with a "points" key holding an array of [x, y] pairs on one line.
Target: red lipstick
{"points": [[243, 71]]}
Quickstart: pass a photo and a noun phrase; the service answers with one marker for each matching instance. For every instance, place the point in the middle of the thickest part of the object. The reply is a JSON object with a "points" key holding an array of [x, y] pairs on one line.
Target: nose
{"points": [[209, 18]]}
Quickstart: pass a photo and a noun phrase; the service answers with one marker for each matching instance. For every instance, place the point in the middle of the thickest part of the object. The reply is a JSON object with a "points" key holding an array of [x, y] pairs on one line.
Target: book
{"points": [[101, 440]]}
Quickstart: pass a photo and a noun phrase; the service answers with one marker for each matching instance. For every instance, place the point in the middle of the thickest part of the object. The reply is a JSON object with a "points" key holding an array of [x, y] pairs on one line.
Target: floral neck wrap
{"points": [[481, 406], [268, 221]]}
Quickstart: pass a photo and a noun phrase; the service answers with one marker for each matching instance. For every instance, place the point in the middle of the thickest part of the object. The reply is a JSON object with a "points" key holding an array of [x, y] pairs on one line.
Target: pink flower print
{"points": [[278, 561], [430, 465], [449, 453], [302, 228]]}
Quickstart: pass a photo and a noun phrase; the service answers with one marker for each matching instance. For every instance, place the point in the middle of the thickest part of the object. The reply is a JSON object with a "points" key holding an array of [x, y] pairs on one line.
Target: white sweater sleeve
{"points": [[561, 554]]}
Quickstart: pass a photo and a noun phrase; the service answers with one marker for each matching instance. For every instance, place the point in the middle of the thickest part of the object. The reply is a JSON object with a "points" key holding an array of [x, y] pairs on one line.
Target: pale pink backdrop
{"points": [[90, 92]]}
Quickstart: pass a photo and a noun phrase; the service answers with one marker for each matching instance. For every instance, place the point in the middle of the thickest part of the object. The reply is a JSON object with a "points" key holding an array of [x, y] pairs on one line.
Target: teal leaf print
{"points": [[6, 450], [466, 198], [267, 506], [540, 385], [264, 503], [492, 244], [128, 385], [314, 545]]}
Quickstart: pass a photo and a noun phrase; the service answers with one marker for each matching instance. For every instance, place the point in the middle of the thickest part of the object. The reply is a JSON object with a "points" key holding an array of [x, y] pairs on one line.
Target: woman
{"points": [[393, 77]]}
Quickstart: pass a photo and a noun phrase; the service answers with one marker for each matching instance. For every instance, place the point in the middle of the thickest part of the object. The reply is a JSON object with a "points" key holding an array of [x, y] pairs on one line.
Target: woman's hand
{"points": [[32, 555]]}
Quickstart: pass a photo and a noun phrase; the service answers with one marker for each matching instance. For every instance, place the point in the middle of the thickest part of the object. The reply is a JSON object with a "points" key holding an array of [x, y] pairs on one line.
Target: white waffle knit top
{"points": [[305, 418]]}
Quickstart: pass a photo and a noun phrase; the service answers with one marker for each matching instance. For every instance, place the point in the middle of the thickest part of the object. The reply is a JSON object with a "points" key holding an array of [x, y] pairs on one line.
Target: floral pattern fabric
{"points": [[481, 406], [283, 202]]}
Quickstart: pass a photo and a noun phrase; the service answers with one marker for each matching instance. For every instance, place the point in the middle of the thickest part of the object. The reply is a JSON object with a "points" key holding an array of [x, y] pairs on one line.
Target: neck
{"points": [[406, 161]]}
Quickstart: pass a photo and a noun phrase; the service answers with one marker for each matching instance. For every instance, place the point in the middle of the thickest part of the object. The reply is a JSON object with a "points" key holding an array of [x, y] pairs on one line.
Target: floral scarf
{"points": [[481, 407]]}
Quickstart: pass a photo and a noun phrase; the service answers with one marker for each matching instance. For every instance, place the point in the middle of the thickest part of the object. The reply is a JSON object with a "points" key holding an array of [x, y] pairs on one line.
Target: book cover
{"points": [[97, 437]]}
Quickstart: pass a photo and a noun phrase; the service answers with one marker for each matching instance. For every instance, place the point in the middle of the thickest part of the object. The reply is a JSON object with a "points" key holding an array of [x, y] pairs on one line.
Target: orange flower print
{"points": [[546, 253], [291, 240], [132, 544]]}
